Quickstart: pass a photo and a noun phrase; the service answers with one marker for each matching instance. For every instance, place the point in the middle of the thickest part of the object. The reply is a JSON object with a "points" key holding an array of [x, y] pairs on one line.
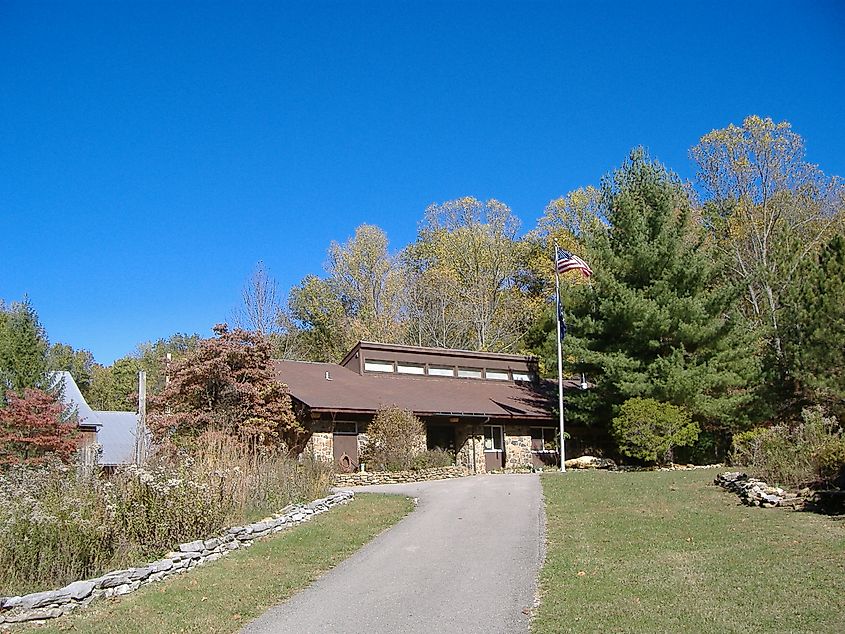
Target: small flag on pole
{"points": [[567, 261]]}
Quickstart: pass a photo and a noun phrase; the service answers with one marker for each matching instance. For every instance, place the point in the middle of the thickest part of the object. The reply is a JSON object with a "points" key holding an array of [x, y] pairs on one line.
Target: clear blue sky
{"points": [[152, 152]]}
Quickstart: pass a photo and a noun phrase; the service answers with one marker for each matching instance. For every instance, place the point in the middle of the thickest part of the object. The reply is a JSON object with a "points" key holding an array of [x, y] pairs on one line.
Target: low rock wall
{"points": [[55, 603], [754, 492], [398, 477]]}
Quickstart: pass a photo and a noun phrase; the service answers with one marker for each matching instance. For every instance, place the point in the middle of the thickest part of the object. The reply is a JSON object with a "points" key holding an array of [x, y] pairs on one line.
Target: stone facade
{"points": [[469, 447], [54, 603], [518, 447], [321, 445]]}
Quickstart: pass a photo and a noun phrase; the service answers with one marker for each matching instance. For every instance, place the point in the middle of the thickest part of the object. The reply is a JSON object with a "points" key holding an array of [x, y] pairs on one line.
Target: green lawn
{"points": [[225, 595], [668, 552]]}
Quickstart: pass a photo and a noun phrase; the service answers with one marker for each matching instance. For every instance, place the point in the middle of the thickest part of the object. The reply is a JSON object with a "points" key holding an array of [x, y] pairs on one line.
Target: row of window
{"points": [[372, 365], [542, 438]]}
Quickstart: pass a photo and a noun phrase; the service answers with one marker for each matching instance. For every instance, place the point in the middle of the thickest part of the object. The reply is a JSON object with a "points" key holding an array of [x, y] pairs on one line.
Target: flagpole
{"points": [[558, 316]]}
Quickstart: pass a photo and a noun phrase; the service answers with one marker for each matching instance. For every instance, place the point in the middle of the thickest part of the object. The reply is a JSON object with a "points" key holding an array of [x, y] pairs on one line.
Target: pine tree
{"points": [[23, 349], [656, 322], [814, 321]]}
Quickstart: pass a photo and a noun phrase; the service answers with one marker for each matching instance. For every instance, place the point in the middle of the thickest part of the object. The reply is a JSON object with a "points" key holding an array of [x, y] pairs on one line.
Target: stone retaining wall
{"points": [[399, 477], [55, 603]]}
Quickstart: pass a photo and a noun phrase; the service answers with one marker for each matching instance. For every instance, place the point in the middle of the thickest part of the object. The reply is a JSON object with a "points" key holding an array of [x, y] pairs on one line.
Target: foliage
{"points": [[769, 211], [23, 349], [656, 320], [80, 364], [814, 328], [227, 384], [360, 299], [433, 458], [394, 439], [56, 528], [649, 430], [34, 427], [796, 455], [218, 599], [469, 279], [115, 387]]}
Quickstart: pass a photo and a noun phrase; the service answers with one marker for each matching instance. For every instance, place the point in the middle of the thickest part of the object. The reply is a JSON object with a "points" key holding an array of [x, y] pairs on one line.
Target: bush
{"points": [[394, 439], [649, 430], [809, 453], [433, 458]]}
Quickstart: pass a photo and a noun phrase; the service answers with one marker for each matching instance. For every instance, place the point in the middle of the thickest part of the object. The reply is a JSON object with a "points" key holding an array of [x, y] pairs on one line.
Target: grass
{"points": [[225, 595], [668, 552]]}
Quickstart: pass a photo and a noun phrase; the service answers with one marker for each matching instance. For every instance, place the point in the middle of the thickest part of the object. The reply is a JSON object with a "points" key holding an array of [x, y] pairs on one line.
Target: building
{"points": [[490, 409], [106, 438]]}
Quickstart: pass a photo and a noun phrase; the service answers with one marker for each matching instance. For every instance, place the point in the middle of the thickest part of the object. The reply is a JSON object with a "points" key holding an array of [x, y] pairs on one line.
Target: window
{"points": [[543, 439], [492, 438], [521, 376], [436, 370], [378, 366], [410, 368], [345, 428], [469, 373], [497, 375]]}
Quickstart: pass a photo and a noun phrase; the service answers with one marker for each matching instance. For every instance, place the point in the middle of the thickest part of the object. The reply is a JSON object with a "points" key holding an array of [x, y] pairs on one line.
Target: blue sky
{"points": [[152, 152]]}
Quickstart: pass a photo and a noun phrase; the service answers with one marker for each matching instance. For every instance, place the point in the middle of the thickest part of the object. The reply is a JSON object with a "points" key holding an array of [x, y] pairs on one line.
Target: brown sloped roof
{"points": [[348, 391]]}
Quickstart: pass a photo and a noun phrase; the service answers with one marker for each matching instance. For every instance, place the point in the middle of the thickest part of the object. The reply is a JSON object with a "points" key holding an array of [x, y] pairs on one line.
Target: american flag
{"points": [[566, 261]]}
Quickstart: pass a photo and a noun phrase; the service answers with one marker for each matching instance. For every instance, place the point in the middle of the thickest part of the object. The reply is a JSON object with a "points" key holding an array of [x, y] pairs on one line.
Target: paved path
{"points": [[465, 560]]}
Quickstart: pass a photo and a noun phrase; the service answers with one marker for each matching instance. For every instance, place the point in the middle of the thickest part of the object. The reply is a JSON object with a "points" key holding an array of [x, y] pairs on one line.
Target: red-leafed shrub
{"points": [[33, 427]]}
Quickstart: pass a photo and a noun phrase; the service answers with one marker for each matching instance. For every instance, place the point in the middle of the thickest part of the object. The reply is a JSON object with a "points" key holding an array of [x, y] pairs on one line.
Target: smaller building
{"points": [[490, 409], [106, 438]]}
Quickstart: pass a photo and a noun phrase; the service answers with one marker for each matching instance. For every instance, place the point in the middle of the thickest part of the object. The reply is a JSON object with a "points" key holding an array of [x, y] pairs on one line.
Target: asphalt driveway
{"points": [[466, 560]]}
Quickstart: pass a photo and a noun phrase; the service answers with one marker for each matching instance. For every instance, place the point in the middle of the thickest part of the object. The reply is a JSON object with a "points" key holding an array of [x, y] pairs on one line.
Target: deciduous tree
{"points": [[227, 384]]}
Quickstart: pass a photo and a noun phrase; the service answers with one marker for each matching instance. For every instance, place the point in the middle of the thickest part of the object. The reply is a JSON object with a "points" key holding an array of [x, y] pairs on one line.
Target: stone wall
{"points": [[398, 477], [55, 603]]}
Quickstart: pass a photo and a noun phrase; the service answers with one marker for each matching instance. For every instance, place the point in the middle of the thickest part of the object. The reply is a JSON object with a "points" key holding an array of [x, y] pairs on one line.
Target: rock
{"points": [[78, 590], [191, 547], [115, 580], [42, 599], [37, 614], [211, 544], [162, 565], [7, 603], [589, 462]]}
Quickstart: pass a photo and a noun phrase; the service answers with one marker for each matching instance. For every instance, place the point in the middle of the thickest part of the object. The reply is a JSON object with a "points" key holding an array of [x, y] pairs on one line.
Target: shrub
{"points": [[394, 439], [649, 429], [433, 458], [809, 453]]}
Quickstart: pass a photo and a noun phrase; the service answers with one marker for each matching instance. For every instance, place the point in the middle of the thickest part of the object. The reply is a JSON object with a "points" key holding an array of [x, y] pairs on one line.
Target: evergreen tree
{"points": [[23, 349], [656, 322], [814, 321]]}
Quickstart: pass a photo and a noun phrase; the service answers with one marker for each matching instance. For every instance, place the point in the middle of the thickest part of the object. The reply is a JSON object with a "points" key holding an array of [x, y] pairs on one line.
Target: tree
{"points": [[261, 309], [23, 349], [33, 427], [80, 364], [227, 384], [770, 211], [650, 430], [656, 320], [468, 286], [114, 387], [360, 299], [814, 328]]}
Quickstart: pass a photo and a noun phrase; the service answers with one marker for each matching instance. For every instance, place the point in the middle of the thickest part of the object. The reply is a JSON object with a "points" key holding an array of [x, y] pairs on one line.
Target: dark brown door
{"points": [[494, 447], [346, 452]]}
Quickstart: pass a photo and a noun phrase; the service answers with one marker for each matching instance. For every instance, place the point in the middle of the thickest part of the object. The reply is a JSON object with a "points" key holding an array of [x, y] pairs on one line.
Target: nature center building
{"points": [[491, 409]]}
